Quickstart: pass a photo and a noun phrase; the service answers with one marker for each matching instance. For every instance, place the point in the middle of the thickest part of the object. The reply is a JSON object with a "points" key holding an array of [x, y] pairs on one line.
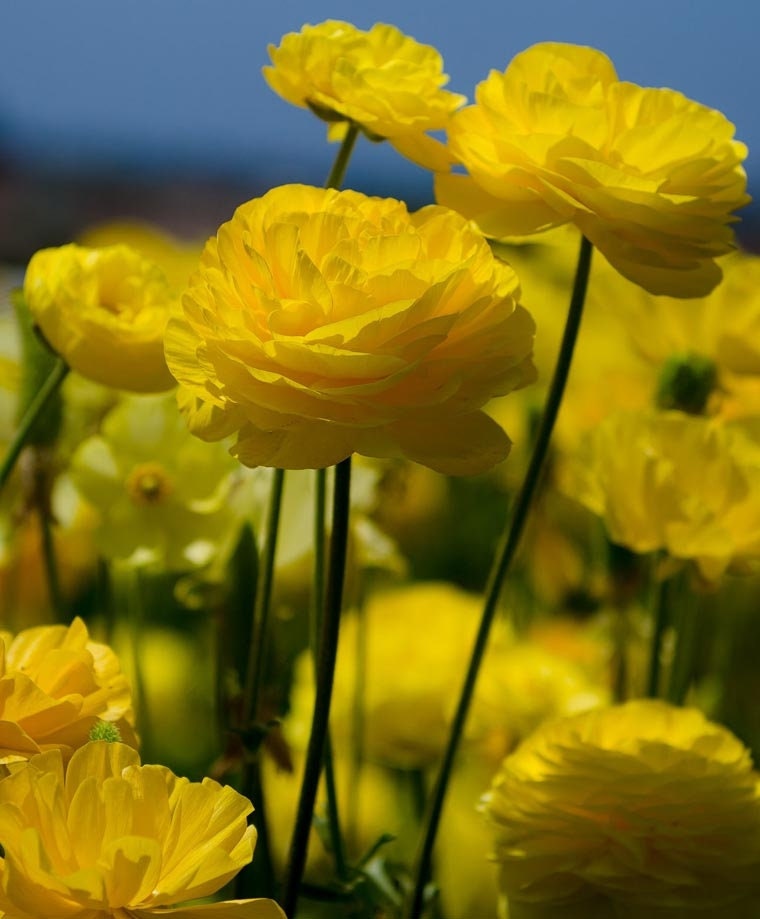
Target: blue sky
{"points": [[176, 84]]}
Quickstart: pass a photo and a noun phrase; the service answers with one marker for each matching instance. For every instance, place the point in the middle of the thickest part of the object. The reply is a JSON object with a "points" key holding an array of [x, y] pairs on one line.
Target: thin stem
{"points": [[257, 648], [338, 171], [328, 647], [56, 376], [318, 599], [506, 551], [660, 622]]}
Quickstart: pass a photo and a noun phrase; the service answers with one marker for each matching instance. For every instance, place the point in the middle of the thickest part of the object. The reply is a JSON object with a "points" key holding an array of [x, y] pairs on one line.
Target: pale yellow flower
{"points": [[107, 837], [104, 311], [672, 481], [648, 176], [323, 323], [628, 812], [381, 80], [55, 684]]}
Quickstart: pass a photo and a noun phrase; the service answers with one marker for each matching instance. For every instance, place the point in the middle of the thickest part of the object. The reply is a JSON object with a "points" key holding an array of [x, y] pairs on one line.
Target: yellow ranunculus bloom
{"points": [[325, 323], [107, 837], [55, 684], [383, 81], [667, 480], [650, 177], [629, 812], [104, 311]]}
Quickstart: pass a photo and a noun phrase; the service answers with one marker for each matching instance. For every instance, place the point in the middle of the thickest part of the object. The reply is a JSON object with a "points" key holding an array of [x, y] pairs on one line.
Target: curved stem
{"points": [[507, 549], [328, 647], [338, 171], [50, 562], [56, 376]]}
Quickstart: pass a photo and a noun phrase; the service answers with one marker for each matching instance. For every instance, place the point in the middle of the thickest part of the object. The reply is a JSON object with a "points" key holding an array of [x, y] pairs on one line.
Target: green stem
{"points": [[257, 648], [338, 171], [689, 615], [328, 647], [318, 599], [506, 551], [36, 407], [660, 623]]}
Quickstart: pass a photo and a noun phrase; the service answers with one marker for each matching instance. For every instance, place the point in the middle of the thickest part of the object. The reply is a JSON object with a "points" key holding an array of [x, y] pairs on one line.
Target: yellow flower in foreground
{"points": [[104, 311], [673, 481], [55, 685], [635, 811], [650, 177], [323, 323], [109, 837], [383, 81]]}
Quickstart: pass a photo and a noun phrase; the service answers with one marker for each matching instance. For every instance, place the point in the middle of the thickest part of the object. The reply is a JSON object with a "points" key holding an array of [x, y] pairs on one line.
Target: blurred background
{"points": [[158, 110]]}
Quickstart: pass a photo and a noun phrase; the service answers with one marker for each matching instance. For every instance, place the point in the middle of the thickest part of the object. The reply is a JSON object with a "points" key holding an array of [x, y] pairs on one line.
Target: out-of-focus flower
{"points": [[667, 480], [358, 327], [648, 176], [55, 684], [628, 812], [104, 311], [177, 258], [160, 493], [108, 837], [383, 81]]}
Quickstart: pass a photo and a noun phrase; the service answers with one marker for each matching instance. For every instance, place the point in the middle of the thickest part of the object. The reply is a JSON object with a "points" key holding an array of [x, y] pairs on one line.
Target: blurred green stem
{"points": [[35, 409], [659, 605], [315, 623], [325, 669], [505, 554]]}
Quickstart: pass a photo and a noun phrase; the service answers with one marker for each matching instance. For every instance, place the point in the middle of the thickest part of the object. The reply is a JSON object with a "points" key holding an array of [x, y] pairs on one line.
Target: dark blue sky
{"points": [[176, 84]]}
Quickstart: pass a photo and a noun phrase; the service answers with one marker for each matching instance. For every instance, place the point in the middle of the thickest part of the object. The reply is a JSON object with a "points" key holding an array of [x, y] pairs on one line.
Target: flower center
{"points": [[686, 383], [148, 484]]}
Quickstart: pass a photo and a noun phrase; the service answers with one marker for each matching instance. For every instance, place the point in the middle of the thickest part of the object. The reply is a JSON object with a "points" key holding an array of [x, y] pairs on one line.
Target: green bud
{"points": [[105, 730], [686, 383]]}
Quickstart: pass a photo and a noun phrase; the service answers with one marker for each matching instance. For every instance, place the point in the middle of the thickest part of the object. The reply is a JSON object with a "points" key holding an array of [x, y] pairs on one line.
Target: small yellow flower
{"points": [[648, 176], [672, 481], [383, 81], [628, 812], [55, 685], [323, 323], [104, 311], [107, 837]]}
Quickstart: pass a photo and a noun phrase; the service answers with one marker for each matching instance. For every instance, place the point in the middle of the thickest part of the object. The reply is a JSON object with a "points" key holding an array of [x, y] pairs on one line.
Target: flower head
{"points": [[383, 81], [55, 686], [323, 323], [650, 177], [667, 480], [104, 311], [106, 836], [160, 492], [636, 810]]}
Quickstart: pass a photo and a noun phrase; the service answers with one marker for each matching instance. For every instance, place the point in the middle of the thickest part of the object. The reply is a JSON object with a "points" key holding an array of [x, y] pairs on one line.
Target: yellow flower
{"points": [[648, 176], [633, 811], [384, 82], [55, 684], [104, 311], [673, 481], [323, 323], [161, 494], [109, 837]]}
